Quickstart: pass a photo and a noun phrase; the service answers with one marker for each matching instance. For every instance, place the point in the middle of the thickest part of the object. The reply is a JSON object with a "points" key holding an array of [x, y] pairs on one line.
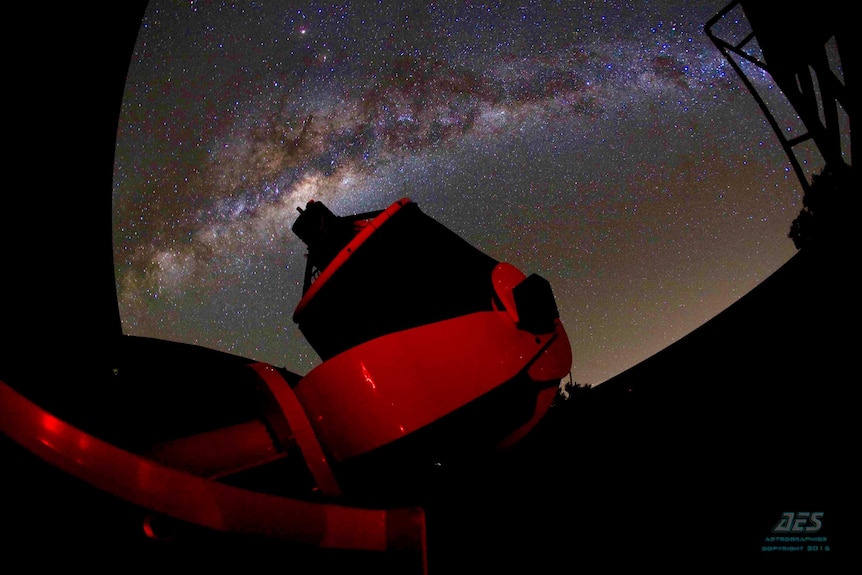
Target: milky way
{"points": [[605, 146]]}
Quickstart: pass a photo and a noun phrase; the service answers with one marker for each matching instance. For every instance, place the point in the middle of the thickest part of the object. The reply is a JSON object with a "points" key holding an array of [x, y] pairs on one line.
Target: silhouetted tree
{"points": [[569, 388], [827, 211]]}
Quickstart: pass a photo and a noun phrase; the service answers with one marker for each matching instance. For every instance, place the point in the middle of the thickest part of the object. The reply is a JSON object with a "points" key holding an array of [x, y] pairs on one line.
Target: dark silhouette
{"points": [[569, 389], [809, 56], [827, 209]]}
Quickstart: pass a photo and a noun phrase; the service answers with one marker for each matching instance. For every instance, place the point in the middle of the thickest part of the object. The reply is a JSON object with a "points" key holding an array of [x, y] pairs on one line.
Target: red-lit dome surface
{"points": [[432, 352]]}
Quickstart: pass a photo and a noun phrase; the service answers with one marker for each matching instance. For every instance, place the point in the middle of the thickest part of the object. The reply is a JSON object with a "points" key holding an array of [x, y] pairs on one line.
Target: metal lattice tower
{"points": [[805, 49]]}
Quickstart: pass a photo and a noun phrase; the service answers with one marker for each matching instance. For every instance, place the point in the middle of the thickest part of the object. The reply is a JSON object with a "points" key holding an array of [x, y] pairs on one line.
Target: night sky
{"points": [[607, 146]]}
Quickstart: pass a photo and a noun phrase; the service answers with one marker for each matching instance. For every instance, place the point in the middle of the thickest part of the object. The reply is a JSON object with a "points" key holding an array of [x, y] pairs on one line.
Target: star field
{"points": [[603, 145]]}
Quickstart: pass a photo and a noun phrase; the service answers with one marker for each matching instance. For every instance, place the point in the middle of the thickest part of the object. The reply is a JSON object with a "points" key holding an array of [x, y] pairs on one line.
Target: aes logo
{"points": [[802, 522]]}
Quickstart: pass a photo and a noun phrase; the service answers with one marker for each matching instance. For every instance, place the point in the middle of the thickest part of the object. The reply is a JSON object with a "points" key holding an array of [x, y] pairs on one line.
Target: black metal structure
{"points": [[805, 48]]}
